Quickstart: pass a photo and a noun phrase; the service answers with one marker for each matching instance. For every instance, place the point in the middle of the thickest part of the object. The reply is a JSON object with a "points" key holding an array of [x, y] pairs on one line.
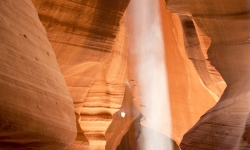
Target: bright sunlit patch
{"points": [[123, 114]]}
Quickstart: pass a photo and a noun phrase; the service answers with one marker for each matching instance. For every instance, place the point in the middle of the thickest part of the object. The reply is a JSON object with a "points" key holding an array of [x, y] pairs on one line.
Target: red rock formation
{"points": [[36, 110], [120, 126], [196, 49], [188, 98], [226, 23], [89, 43], [130, 139], [178, 66]]}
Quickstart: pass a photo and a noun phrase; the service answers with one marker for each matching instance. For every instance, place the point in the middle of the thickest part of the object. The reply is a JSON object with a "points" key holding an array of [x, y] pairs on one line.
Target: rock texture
{"points": [[134, 139], [162, 70], [130, 139], [196, 46], [160, 42], [189, 98], [120, 126], [89, 38], [36, 110], [226, 23]]}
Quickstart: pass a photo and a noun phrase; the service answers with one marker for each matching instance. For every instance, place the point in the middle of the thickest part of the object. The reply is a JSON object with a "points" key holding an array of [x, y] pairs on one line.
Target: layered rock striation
{"points": [[162, 70], [122, 126], [36, 110], [226, 23], [165, 85], [89, 38]]}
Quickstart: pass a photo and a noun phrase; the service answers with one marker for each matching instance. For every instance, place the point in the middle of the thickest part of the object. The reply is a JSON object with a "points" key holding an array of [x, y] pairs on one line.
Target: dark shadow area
{"points": [[135, 139], [129, 140]]}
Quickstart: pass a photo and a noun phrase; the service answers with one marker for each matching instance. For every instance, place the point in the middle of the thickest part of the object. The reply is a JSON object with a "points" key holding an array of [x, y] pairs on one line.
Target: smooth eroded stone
{"points": [[89, 40], [226, 23], [165, 85], [122, 122], [36, 110]]}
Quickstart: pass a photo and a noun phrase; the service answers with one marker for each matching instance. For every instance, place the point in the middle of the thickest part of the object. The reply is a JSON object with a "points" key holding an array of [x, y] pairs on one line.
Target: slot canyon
{"points": [[125, 75]]}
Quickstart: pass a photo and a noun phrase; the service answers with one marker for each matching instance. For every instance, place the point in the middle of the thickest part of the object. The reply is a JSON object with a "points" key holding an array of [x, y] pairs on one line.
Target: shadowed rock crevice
{"points": [[120, 125], [222, 127], [89, 39], [168, 68], [210, 77], [130, 139], [134, 138]]}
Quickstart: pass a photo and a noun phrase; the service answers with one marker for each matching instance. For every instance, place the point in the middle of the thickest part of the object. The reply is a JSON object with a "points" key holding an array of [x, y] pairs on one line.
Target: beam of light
{"points": [[147, 62]]}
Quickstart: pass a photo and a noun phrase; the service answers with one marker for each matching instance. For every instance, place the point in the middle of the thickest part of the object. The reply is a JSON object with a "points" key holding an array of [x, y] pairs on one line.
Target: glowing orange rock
{"points": [[36, 110]]}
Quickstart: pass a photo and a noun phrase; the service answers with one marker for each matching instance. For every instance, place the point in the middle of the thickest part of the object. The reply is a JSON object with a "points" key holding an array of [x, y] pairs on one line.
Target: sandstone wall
{"points": [[178, 67], [150, 27], [120, 126], [226, 23], [36, 110], [89, 38]]}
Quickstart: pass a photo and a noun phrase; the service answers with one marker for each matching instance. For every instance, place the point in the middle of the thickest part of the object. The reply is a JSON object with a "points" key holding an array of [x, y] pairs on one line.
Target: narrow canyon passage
{"points": [[226, 24], [124, 74]]}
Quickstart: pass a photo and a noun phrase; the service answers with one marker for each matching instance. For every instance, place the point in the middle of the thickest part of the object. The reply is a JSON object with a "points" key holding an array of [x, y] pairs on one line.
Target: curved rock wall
{"points": [[178, 66], [226, 23], [121, 125], [196, 47], [187, 98], [36, 110], [89, 39]]}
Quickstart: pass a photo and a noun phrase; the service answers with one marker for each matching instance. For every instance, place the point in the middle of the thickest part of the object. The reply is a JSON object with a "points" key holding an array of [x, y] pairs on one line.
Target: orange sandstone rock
{"points": [[89, 40], [121, 124], [36, 110], [177, 66], [226, 23], [157, 50]]}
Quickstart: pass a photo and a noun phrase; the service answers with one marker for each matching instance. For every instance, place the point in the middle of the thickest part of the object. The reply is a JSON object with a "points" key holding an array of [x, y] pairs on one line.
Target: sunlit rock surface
{"points": [[130, 140], [120, 126], [36, 110], [196, 47], [157, 57], [227, 24], [163, 70], [89, 37]]}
